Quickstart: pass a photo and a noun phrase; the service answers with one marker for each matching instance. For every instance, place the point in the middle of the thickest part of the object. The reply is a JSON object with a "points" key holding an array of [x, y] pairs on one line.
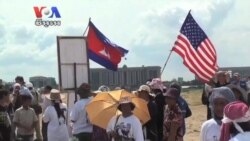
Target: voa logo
{"points": [[47, 16]]}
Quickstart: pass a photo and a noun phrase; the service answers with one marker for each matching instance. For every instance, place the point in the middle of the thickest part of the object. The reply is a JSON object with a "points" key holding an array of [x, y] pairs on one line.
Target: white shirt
{"points": [[46, 102], [241, 137], [129, 127], [79, 115], [210, 131], [57, 129]]}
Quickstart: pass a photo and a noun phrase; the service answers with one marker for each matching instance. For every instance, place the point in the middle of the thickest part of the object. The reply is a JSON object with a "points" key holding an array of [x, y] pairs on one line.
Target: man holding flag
{"points": [[198, 54]]}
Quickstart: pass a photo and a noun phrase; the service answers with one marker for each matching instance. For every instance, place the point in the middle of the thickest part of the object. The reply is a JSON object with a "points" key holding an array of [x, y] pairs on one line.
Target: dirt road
{"points": [[194, 123]]}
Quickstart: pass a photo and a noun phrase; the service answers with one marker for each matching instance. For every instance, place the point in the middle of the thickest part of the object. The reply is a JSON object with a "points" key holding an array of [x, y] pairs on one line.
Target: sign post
{"points": [[73, 66]]}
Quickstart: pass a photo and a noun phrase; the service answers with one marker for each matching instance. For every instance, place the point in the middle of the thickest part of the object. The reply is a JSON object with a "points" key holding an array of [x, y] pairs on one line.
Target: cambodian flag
{"points": [[102, 50]]}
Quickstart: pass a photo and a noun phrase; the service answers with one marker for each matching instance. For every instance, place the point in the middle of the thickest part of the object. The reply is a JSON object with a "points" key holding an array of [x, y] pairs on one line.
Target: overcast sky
{"points": [[147, 28]]}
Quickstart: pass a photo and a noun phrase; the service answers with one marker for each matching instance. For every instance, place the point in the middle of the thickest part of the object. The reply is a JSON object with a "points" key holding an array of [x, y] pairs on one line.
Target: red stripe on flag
{"points": [[211, 47], [189, 66], [209, 51], [207, 57], [191, 60], [201, 64]]}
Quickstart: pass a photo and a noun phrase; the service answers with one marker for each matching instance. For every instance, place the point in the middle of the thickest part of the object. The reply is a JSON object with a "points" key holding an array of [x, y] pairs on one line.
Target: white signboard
{"points": [[72, 61]]}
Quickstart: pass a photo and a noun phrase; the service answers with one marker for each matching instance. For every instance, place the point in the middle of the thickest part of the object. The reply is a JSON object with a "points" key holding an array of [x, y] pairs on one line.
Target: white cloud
{"points": [[147, 29]]}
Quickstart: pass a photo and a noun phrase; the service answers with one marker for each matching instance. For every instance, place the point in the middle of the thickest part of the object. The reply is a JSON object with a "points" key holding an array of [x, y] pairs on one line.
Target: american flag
{"points": [[196, 50]]}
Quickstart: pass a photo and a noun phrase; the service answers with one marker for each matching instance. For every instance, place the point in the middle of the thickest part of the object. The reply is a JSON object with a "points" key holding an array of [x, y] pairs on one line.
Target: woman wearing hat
{"points": [[220, 97], [54, 116], [236, 122], [150, 128], [157, 88], [125, 127], [173, 119]]}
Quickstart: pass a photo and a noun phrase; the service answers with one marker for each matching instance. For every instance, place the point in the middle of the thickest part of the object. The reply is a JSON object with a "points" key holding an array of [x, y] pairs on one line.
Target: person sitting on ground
{"points": [[186, 112], [25, 119], [54, 115], [82, 128], [5, 122], [220, 97], [236, 122], [173, 118], [150, 128], [125, 127]]}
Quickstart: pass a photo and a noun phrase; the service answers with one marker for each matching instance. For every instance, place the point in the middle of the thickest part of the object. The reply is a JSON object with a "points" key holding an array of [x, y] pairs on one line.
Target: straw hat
{"points": [[144, 88], [55, 95], [126, 100]]}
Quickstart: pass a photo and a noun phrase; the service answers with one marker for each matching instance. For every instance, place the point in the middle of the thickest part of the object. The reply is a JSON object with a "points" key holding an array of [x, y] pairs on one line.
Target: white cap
{"points": [[103, 88], [25, 91]]}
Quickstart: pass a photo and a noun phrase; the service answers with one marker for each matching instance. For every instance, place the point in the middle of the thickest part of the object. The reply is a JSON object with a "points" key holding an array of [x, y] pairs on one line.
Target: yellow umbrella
{"points": [[104, 106]]}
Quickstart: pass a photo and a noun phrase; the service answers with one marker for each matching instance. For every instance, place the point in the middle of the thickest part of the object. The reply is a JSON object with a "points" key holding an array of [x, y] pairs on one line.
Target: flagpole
{"points": [[166, 62], [86, 27]]}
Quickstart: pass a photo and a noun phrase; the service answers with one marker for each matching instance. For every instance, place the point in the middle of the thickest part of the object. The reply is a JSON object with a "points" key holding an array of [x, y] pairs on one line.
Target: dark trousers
{"points": [[44, 131], [83, 136]]}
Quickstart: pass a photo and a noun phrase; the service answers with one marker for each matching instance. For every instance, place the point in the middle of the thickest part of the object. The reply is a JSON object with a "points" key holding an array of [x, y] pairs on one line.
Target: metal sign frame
{"points": [[73, 64]]}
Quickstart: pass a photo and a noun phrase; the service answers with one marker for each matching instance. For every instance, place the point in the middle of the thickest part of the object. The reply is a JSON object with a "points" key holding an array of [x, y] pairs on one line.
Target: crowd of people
{"points": [[23, 110], [227, 101]]}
